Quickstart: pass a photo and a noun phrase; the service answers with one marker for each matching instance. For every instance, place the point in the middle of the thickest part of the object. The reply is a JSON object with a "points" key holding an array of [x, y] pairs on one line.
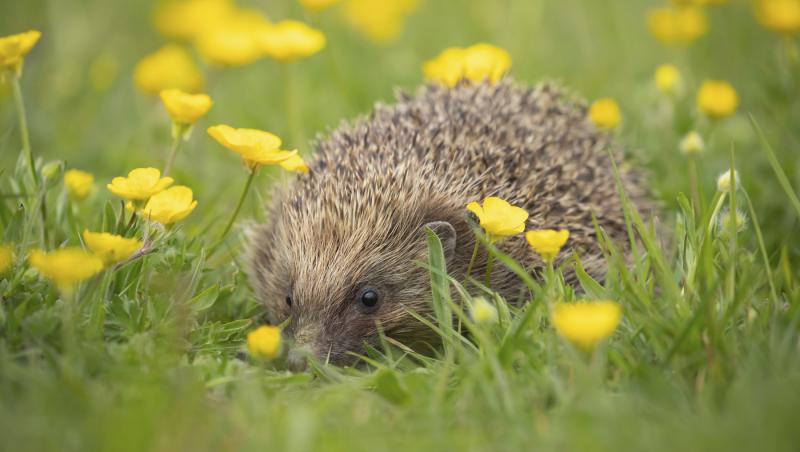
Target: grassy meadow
{"points": [[152, 355]]}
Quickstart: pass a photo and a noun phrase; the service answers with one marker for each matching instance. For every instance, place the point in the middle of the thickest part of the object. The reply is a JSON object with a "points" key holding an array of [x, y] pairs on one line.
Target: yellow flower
{"points": [[605, 114], [379, 21], [780, 16], [185, 108], [667, 78], [171, 205], [692, 143], [255, 146], [447, 68], [680, 25], [475, 63], [717, 99], [66, 267], [547, 242], [318, 5], [585, 324], [140, 184], [289, 40], [483, 312], [233, 41], [295, 163], [499, 218], [485, 61], [6, 258], [79, 183], [169, 67], [109, 247], [264, 342], [13, 48], [185, 19]]}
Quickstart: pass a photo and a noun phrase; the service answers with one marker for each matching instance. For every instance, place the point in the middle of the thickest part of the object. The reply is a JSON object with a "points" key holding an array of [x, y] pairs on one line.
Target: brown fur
{"points": [[356, 219]]}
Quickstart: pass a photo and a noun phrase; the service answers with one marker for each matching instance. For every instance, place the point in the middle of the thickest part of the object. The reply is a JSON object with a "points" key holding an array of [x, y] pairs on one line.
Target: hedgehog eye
{"points": [[368, 299], [289, 300]]}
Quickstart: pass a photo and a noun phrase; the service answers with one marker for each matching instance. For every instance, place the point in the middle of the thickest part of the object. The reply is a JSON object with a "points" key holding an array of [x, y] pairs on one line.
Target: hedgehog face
{"points": [[337, 286]]}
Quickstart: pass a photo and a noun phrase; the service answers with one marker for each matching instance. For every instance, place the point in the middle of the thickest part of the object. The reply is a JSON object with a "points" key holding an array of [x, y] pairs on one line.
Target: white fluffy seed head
{"points": [[725, 182]]}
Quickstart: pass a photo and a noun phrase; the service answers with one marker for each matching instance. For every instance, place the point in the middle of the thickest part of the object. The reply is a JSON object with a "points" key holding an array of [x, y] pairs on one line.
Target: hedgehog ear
{"points": [[447, 235]]}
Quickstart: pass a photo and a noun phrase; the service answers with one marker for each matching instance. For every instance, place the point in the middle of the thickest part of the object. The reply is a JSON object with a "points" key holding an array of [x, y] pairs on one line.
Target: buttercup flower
{"points": [[585, 324], [140, 184], [476, 63], [67, 267], [677, 25], [447, 68], [499, 218], [169, 67], [547, 242], [605, 113], [234, 41], [289, 40], [780, 16], [380, 21], [667, 78], [485, 61], [717, 99], [318, 5], [13, 48], [185, 108], [295, 163], [171, 205], [109, 247], [264, 342], [483, 312], [186, 19], [724, 181], [255, 146], [692, 143], [6, 258], [79, 184]]}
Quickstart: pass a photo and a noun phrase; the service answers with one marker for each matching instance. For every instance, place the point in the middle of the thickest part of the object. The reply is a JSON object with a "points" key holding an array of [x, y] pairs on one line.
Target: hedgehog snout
{"points": [[297, 358]]}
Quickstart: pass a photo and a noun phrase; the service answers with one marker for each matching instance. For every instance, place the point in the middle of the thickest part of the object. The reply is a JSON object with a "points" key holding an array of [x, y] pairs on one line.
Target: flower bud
{"points": [[52, 170], [724, 181], [692, 143], [483, 312]]}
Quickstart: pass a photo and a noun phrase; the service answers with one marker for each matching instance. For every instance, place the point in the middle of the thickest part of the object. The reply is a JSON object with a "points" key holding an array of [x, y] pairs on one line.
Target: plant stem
{"points": [[489, 262], [177, 139], [239, 205], [732, 230], [472, 259], [762, 247], [23, 128], [717, 208], [693, 184]]}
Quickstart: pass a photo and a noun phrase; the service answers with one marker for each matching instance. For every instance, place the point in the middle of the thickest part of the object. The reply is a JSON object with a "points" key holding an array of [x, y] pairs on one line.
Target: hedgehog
{"points": [[337, 261]]}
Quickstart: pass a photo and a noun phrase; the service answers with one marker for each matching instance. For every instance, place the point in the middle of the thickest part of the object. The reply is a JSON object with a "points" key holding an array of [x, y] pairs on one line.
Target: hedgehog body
{"points": [[337, 255]]}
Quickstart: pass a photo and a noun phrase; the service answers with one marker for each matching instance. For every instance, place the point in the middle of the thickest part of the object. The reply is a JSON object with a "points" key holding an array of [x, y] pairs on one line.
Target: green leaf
{"points": [[390, 386]]}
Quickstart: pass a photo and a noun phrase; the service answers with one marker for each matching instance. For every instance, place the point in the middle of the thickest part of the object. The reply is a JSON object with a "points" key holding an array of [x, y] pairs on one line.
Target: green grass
{"points": [[150, 357]]}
